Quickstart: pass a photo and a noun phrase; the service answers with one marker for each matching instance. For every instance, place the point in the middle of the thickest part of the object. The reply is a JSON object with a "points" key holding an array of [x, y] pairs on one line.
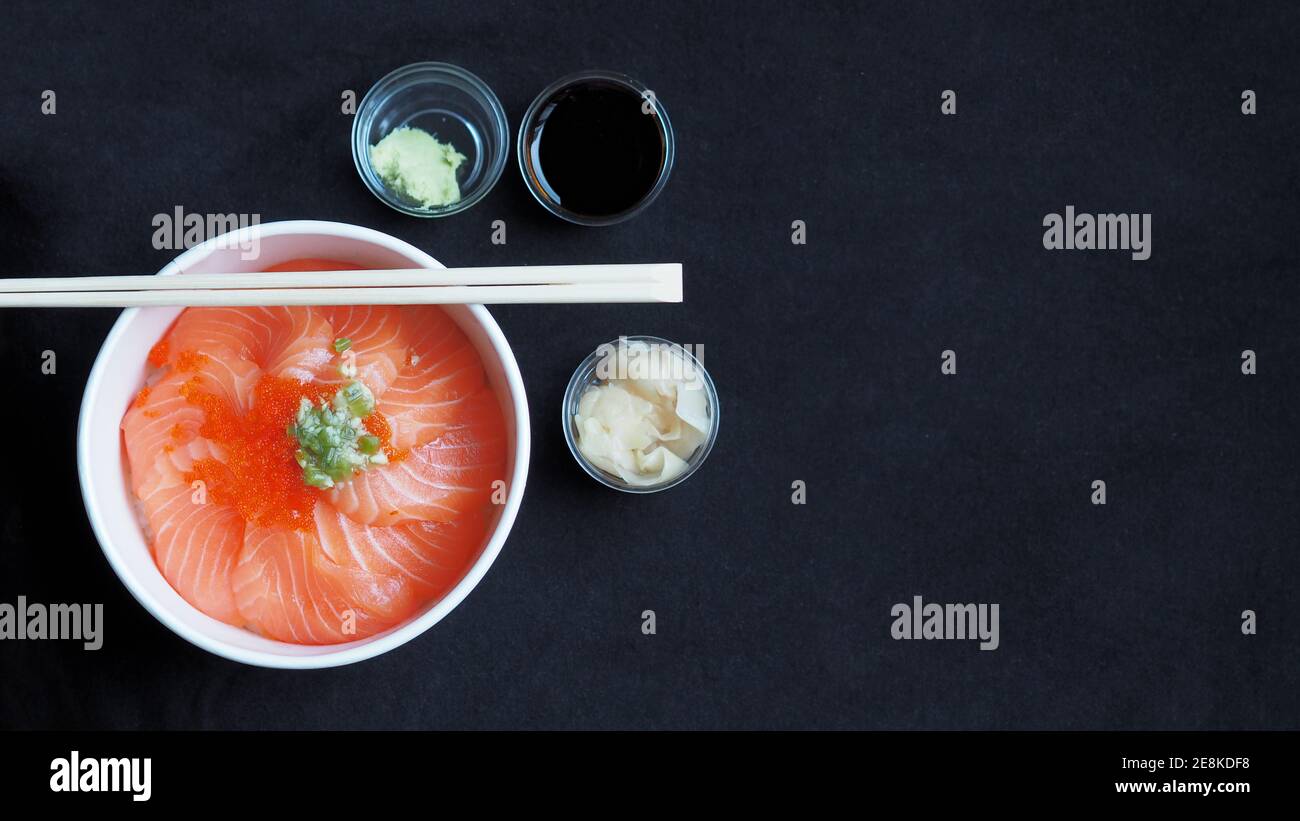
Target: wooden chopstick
{"points": [[660, 282], [439, 295]]}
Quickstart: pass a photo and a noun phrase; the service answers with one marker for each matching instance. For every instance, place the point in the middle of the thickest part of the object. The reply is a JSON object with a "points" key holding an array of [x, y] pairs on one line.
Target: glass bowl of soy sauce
{"points": [[595, 148]]}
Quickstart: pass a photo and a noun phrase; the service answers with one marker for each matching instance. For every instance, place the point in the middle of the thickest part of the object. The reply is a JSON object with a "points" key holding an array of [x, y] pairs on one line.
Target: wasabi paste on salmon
{"points": [[414, 164]]}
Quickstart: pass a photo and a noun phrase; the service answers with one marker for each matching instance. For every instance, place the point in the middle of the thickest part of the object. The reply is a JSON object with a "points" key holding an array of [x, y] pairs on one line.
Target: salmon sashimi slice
{"points": [[172, 461], [442, 370], [231, 379], [158, 419], [162, 422], [449, 477], [288, 589], [432, 555], [195, 544], [291, 342], [378, 344]]}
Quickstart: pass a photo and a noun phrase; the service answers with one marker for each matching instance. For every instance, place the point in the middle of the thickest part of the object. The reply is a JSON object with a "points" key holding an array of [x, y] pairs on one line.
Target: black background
{"points": [[924, 234]]}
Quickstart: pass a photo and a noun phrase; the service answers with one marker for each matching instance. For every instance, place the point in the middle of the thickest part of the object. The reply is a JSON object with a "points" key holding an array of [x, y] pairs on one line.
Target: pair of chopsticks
{"points": [[660, 282]]}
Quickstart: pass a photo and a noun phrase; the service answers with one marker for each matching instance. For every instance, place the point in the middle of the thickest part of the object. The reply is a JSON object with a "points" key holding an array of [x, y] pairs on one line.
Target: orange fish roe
{"points": [[260, 478], [158, 353], [142, 397], [190, 361], [376, 424]]}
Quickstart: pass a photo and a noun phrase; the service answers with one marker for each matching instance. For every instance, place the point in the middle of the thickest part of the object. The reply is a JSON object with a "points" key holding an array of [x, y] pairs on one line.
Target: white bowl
{"points": [[119, 373]]}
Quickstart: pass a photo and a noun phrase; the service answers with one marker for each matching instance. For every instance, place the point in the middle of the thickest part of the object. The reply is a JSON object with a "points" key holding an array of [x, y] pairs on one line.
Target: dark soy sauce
{"points": [[593, 150]]}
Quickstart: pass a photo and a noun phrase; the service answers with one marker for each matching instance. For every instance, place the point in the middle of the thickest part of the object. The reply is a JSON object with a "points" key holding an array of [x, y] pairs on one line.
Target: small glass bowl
{"points": [[526, 162], [451, 104], [585, 376]]}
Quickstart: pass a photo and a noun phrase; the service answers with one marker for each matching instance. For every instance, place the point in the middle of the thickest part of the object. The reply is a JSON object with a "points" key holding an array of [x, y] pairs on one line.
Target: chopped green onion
{"points": [[342, 344], [357, 398], [316, 478], [332, 442]]}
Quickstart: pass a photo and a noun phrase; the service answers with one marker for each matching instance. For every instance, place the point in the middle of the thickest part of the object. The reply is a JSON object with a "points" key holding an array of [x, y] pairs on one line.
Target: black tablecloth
{"points": [[924, 234]]}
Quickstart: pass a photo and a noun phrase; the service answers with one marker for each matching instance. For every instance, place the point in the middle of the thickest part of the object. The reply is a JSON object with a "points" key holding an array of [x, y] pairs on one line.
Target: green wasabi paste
{"points": [[414, 164]]}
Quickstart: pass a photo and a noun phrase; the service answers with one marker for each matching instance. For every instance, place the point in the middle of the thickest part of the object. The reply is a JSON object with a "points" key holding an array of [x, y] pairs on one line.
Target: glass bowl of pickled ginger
{"points": [[640, 414]]}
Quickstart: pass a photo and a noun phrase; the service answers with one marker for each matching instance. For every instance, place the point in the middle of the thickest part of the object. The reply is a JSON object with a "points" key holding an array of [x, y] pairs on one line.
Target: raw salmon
{"points": [[290, 342], [449, 477], [442, 370], [367, 554], [232, 379], [195, 545], [288, 589], [378, 343], [159, 419], [431, 555]]}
